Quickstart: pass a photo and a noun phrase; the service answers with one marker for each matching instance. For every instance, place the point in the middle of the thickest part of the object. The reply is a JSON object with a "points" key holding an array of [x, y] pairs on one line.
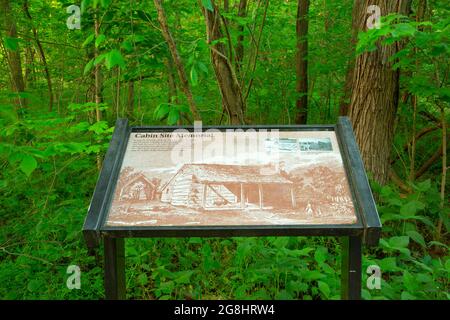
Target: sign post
{"points": [[232, 181]]}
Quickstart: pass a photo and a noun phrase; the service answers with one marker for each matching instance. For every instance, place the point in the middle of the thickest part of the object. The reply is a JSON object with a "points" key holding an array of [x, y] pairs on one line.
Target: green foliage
{"points": [[49, 160], [171, 112], [114, 58], [208, 5], [28, 164], [11, 43]]}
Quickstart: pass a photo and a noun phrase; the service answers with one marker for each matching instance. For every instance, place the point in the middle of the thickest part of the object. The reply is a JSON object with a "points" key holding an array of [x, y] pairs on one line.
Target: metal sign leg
{"points": [[351, 268], [114, 268]]}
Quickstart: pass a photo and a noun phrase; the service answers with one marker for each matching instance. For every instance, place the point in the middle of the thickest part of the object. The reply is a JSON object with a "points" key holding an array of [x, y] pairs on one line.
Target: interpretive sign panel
{"points": [[238, 178], [232, 181]]}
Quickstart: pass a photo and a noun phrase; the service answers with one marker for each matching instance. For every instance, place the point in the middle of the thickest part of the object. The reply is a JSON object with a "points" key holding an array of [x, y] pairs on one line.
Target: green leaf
{"points": [[195, 240], [127, 45], [284, 295], [84, 5], [194, 76], [321, 254], [439, 49], [28, 164], [99, 40], [88, 40], [439, 244], [88, 67], [14, 157], [202, 67], [422, 265], [11, 43], [99, 127], [410, 282], [114, 58], [100, 58], [280, 242], [388, 264], [161, 111], [173, 117], [183, 108], [424, 278], [424, 185], [208, 5], [142, 279], [35, 285], [417, 237], [404, 30], [399, 242], [324, 288], [447, 265], [105, 3], [365, 294], [407, 296], [411, 208], [301, 253], [312, 275], [183, 277]]}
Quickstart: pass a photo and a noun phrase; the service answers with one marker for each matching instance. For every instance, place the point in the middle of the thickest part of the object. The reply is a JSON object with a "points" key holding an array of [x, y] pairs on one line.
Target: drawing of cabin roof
{"points": [[139, 187], [220, 186], [138, 176], [223, 173]]}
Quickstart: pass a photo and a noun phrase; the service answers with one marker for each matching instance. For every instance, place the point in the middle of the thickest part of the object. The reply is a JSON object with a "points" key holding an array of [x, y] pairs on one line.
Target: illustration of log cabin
{"points": [[228, 187], [138, 188]]}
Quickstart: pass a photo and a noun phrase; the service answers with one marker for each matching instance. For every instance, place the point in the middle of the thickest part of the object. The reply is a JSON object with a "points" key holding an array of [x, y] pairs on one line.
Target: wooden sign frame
{"points": [[367, 228]]}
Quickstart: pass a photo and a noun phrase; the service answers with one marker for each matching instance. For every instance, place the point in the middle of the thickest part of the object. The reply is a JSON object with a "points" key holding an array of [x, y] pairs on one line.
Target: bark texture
{"points": [[302, 61], [13, 56], [357, 20], [176, 58], [375, 93], [42, 54], [231, 92], [242, 12]]}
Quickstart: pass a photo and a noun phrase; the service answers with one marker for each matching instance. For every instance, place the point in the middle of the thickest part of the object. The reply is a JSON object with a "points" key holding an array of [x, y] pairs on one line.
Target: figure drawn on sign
{"points": [[319, 212], [309, 210]]}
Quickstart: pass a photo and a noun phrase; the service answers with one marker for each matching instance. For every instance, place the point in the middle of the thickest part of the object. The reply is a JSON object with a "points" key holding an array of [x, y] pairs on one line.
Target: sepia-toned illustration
{"points": [[297, 178]]}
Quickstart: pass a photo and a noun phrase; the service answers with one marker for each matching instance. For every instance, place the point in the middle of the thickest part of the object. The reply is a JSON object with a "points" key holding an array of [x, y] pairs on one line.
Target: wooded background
{"points": [[221, 62]]}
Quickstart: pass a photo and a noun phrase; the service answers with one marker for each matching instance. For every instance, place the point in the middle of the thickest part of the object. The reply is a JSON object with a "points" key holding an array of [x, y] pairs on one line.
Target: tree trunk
{"points": [[242, 11], [130, 103], [118, 102], [98, 99], [171, 82], [231, 92], [302, 61], [420, 14], [375, 93], [42, 54], [176, 58], [421, 7], [357, 20], [13, 56], [29, 65]]}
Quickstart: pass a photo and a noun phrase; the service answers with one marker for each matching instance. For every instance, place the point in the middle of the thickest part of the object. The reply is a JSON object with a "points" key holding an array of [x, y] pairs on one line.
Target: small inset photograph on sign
{"points": [[311, 144], [281, 144]]}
